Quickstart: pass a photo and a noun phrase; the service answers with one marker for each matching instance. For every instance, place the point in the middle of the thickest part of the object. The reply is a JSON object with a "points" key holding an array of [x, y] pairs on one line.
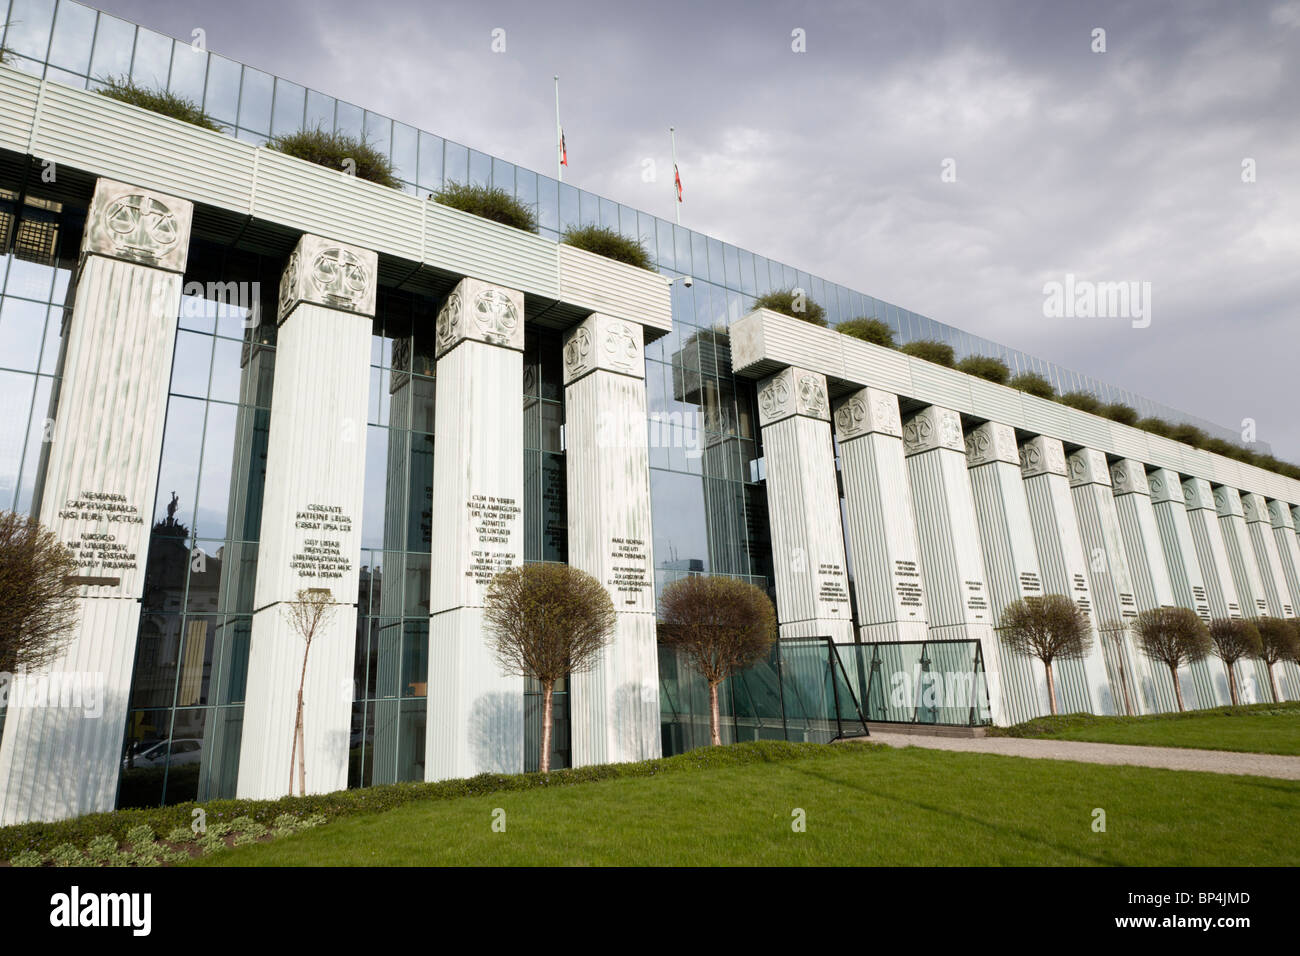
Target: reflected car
{"points": [[181, 751]]}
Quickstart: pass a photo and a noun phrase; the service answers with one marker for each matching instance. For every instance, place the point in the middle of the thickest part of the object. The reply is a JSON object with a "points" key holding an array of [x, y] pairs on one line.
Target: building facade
{"points": [[234, 375]]}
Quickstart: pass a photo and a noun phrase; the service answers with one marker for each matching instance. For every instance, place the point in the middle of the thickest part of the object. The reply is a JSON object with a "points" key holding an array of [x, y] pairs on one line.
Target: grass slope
{"points": [[1257, 728], [865, 806]]}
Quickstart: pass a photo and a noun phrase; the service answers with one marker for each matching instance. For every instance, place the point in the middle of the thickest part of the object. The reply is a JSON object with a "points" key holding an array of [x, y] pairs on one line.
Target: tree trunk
{"points": [[544, 762], [1272, 679], [1178, 688], [1232, 684], [715, 730], [1051, 686], [299, 740]]}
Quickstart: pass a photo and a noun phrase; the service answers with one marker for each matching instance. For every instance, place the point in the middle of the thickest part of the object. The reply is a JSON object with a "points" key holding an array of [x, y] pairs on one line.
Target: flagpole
{"points": [[559, 151], [677, 202]]}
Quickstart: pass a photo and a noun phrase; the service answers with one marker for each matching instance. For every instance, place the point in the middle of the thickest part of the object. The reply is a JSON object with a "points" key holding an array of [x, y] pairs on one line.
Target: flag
{"points": [[677, 177], [564, 150]]}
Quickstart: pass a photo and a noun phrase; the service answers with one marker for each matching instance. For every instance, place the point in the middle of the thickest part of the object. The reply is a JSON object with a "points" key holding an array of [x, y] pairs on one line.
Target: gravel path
{"points": [[1169, 758]]}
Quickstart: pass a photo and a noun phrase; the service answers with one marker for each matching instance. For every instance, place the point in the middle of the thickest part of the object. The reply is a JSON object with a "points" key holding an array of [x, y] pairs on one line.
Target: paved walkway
{"points": [[1169, 758]]}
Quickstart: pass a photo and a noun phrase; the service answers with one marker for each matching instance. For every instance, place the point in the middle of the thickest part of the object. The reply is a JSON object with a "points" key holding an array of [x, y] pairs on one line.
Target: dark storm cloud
{"points": [[1123, 165]]}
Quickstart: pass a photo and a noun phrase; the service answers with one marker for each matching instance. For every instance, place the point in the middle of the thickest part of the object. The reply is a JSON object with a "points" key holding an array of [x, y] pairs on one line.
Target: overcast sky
{"points": [[1123, 165]]}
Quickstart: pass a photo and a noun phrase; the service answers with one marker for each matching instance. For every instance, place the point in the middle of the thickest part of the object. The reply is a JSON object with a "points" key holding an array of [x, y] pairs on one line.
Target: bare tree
{"points": [[722, 624], [1278, 639], [1234, 638], [547, 622], [1175, 636], [307, 616], [38, 598], [1051, 628]]}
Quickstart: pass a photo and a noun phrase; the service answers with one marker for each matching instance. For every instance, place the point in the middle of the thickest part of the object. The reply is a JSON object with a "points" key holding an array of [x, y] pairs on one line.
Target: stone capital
{"points": [[992, 442], [138, 225], [331, 274], [1042, 455], [1128, 476], [793, 391], [1166, 485], [933, 427], [868, 411], [1088, 467], [1227, 502], [1197, 494], [602, 343], [1279, 515], [1254, 506], [481, 312]]}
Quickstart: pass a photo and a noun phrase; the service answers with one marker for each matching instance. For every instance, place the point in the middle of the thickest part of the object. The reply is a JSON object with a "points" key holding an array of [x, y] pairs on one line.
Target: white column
{"points": [[1148, 571], [1208, 676], [63, 760], [1010, 558], [1082, 685], [1288, 552], [812, 597], [881, 526], [1245, 570], [1212, 553], [475, 721], [1112, 587], [614, 708], [1259, 531], [311, 512], [951, 563]]}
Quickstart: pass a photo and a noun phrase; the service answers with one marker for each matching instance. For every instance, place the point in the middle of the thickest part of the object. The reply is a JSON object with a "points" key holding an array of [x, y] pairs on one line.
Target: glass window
{"points": [[22, 326], [480, 168], [114, 44], [503, 175], [182, 447], [526, 187], [682, 249], [457, 168], [717, 271], [405, 140], [731, 258], [189, 73], [430, 175], [320, 112], [627, 223], [349, 120], [588, 208], [379, 132], [222, 99], [548, 202], [287, 114], [568, 207], [255, 101], [74, 32], [609, 214], [29, 27], [153, 59], [214, 480], [645, 224], [747, 284], [664, 238]]}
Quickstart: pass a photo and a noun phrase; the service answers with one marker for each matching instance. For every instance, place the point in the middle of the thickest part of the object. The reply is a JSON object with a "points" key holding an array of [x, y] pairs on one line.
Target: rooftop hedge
{"points": [[125, 90], [794, 303], [610, 244], [337, 151], [488, 202]]}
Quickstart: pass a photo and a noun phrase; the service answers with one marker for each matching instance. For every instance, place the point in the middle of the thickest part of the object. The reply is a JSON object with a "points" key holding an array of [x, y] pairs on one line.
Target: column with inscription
{"points": [[1114, 600], [614, 708], [812, 597], [1081, 685], [310, 535], [1185, 575], [951, 561], [1220, 587], [1288, 553], [1259, 553], [881, 526], [1148, 572], [1010, 559], [475, 721], [98, 494]]}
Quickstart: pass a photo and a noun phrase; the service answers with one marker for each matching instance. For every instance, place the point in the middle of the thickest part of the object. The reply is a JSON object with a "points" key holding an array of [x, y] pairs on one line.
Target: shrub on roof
{"points": [[1083, 401], [162, 102], [610, 244], [931, 350], [1119, 412], [794, 303], [337, 151], [871, 330], [1033, 383], [985, 366], [490, 203]]}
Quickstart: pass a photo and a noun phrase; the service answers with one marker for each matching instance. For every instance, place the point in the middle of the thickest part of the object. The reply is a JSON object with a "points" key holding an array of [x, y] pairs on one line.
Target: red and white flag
{"points": [[564, 150], [677, 177]]}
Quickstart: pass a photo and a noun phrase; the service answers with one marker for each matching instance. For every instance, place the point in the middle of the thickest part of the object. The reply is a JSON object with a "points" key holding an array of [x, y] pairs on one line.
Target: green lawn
{"points": [[1259, 728], [864, 805]]}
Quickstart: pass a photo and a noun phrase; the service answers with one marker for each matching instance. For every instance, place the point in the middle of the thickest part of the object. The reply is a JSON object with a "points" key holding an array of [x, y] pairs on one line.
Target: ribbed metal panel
{"points": [[54, 763], [1264, 548], [103, 136], [18, 95], [316, 456], [1212, 555], [1089, 430], [942, 386], [791, 341], [1082, 685], [1127, 442], [1241, 560], [470, 245], [1043, 417], [290, 191], [874, 365], [613, 288], [1011, 563], [882, 538], [614, 708], [807, 534], [1166, 453], [475, 716], [995, 402]]}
